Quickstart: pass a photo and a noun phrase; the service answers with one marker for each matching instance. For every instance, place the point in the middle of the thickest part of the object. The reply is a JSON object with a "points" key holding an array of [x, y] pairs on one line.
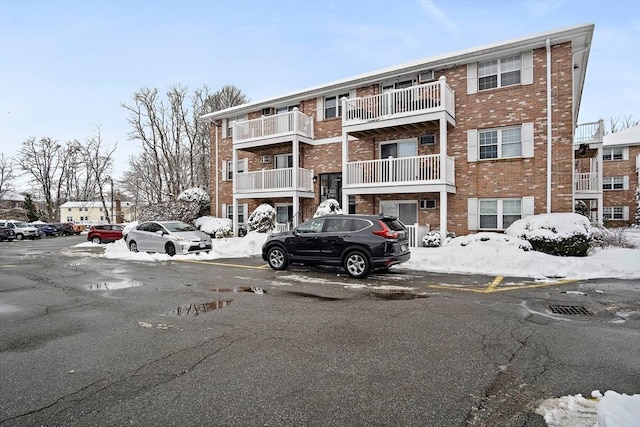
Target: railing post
{"points": [[295, 119]]}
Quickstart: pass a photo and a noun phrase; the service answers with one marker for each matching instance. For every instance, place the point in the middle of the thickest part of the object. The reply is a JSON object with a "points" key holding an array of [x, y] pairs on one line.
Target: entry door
{"points": [[399, 170], [407, 212]]}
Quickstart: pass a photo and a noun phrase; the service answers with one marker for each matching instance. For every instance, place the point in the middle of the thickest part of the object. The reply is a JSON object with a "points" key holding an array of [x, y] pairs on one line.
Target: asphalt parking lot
{"points": [[91, 341]]}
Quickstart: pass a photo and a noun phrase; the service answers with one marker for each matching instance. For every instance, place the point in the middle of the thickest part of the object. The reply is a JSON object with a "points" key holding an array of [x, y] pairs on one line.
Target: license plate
{"points": [[203, 244], [403, 247]]}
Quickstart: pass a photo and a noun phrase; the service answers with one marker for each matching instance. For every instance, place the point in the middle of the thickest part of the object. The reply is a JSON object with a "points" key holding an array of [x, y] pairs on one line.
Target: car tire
{"points": [[170, 249], [133, 246], [277, 258], [19, 236], [357, 264], [96, 240]]}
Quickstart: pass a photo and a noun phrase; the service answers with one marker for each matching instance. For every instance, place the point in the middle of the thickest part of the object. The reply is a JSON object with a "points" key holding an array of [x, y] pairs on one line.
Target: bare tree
{"points": [[99, 162], [7, 175], [617, 124], [48, 163], [175, 145]]}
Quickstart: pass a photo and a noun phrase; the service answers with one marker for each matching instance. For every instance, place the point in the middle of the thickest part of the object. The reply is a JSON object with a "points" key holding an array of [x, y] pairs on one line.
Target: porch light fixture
{"points": [[582, 149], [315, 179]]}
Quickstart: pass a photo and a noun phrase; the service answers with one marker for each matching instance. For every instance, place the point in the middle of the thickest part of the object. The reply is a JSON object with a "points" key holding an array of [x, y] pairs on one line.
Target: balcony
{"points": [[399, 106], [266, 182], [273, 129], [586, 182], [404, 173], [589, 133]]}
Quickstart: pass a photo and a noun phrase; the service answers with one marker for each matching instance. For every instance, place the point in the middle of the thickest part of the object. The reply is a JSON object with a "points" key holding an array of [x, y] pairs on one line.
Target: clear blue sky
{"points": [[66, 66]]}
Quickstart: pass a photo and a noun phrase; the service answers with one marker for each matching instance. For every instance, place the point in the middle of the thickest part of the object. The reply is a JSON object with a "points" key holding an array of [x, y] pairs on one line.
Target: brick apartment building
{"points": [[464, 142], [621, 176]]}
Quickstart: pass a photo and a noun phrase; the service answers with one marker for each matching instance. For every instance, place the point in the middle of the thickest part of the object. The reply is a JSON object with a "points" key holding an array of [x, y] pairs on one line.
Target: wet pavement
{"points": [[90, 341]]}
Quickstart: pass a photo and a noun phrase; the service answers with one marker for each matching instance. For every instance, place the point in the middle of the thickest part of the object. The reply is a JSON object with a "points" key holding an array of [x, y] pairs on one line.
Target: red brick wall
{"points": [[627, 168]]}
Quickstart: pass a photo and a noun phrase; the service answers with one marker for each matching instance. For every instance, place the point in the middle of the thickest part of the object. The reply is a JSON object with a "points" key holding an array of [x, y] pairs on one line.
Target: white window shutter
{"points": [[245, 207], [320, 109], [224, 210], [527, 140], [527, 67], [245, 164], [625, 153], [472, 78], [225, 125], [472, 213], [528, 206], [625, 213], [472, 145], [625, 182], [224, 170]]}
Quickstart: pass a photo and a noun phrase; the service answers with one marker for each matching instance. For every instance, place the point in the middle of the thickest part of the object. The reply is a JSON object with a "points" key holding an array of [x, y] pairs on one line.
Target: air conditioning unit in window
{"points": [[265, 159], [427, 76]]}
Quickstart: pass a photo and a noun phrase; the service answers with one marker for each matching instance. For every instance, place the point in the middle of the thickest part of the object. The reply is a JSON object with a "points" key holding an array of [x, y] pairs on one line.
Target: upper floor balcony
{"points": [[269, 182], [589, 133], [399, 106], [401, 175], [272, 129]]}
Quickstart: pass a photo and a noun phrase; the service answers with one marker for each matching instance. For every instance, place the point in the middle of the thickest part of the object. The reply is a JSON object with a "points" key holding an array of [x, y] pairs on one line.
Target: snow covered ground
{"points": [[495, 256]]}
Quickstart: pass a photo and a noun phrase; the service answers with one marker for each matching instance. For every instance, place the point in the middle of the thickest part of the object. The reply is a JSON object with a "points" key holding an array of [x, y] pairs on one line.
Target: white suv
{"points": [[22, 230]]}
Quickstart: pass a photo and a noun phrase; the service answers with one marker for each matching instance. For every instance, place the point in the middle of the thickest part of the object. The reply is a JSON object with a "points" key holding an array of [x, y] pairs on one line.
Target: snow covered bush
{"points": [[563, 234], [215, 227], [609, 237], [199, 196], [582, 208], [432, 238], [180, 210], [490, 238], [263, 219], [328, 207]]}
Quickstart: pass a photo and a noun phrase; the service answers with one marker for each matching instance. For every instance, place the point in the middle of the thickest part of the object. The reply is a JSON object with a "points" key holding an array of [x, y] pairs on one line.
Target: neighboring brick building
{"points": [[621, 176], [463, 142]]}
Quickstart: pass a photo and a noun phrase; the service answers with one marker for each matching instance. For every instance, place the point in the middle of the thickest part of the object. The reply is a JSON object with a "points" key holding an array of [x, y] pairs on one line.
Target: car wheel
{"points": [[96, 240], [19, 236], [133, 246], [277, 258], [170, 249], [357, 264]]}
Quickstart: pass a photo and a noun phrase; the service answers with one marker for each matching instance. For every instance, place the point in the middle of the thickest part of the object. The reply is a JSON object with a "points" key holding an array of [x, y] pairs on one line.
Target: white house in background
{"points": [[94, 212], [621, 175]]}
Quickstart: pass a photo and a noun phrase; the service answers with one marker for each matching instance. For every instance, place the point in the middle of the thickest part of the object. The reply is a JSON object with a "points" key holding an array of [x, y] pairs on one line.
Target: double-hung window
{"points": [[333, 106], [612, 154], [240, 168], [499, 214], [500, 143], [240, 213], [613, 183], [613, 213], [499, 72]]}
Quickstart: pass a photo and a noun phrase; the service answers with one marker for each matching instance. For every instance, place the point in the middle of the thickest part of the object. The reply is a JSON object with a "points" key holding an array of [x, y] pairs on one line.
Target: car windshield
{"points": [[178, 226], [21, 224]]}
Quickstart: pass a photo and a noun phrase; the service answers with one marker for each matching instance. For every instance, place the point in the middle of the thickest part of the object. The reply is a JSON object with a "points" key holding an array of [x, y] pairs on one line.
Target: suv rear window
{"points": [[393, 224]]}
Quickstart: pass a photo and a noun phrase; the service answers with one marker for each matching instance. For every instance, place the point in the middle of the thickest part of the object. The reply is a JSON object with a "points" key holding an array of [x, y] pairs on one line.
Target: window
{"points": [[312, 226], [333, 106], [331, 186], [283, 161], [613, 213], [499, 214], [613, 183], [69, 209], [500, 72], [406, 212], [428, 204], [428, 139], [69, 219], [612, 154], [241, 164], [284, 214], [500, 143], [230, 121], [240, 213]]}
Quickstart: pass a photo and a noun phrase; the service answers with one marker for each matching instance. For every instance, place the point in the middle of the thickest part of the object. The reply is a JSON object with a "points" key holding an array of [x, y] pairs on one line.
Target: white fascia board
{"points": [[582, 34]]}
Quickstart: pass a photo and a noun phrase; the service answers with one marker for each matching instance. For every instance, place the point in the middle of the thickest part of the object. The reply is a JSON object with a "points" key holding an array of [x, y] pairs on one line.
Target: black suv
{"points": [[358, 243]]}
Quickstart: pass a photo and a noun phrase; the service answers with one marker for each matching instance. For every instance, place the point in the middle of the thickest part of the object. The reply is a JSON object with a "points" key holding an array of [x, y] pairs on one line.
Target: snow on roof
{"points": [[84, 204], [14, 197], [629, 136]]}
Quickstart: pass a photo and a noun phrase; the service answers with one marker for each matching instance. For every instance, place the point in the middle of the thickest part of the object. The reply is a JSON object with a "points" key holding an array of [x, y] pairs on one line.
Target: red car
{"points": [[105, 233]]}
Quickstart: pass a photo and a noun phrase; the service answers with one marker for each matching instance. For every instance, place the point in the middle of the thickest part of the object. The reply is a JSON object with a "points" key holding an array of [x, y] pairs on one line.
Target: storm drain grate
{"points": [[569, 310]]}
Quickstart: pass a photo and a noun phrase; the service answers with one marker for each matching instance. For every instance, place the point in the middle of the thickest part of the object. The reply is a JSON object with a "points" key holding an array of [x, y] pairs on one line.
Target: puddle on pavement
{"points": [[396, 296], [110, 286], [196, 309], [313, 296], [250, 289]]}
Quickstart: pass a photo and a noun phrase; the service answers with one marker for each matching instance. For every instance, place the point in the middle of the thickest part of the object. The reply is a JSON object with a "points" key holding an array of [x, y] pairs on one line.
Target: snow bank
{"points": [[550, 226], [210, 224]]}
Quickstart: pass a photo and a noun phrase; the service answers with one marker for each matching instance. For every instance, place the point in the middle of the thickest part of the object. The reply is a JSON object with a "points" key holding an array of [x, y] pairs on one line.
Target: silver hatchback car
{"points": [[170, 237]]}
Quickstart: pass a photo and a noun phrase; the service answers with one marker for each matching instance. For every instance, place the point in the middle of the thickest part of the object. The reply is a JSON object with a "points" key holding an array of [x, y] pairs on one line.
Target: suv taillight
{"points": [[386, 232]]}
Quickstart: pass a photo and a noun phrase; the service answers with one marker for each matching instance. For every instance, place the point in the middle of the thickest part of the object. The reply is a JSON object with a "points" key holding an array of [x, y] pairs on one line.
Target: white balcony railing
{"points": [[274, 179], [586, 181], [292, 122], [403, 169], [430, 97], [589, 132]]}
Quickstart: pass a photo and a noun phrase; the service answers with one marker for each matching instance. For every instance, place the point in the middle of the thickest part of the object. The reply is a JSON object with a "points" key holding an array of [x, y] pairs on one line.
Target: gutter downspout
{"points": [[549, 127]]}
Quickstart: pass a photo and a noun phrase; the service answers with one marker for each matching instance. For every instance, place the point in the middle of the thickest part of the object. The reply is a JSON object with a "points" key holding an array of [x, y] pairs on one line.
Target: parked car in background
{"points": [[21, 229], [7, 233], [64, 228], [170, 237], [46, 230], [105, 233], [79, 228], [358, 243]]}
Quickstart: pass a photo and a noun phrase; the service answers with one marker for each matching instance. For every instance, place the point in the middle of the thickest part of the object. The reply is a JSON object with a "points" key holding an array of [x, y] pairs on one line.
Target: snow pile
{"points": [[214, 226], [483, 240], [197, 196], [328, 207], [611, 410], [263, 219], [565, 234]]}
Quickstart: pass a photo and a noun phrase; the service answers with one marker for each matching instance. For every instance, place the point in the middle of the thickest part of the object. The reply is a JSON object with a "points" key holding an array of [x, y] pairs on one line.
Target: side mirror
{"points": [[159, 232]]}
